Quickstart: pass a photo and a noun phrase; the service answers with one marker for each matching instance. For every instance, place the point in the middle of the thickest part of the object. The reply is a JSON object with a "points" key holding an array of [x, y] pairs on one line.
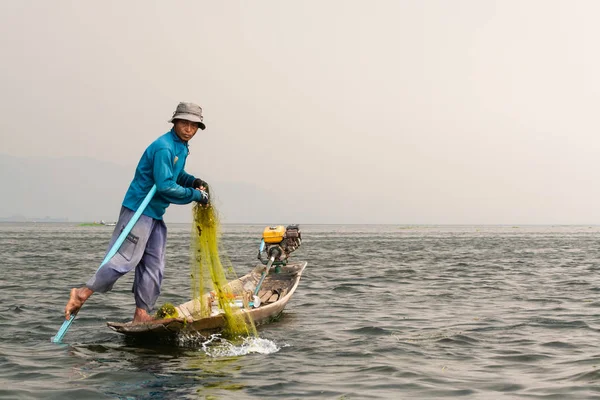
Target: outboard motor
{"points": [[278, 242]]}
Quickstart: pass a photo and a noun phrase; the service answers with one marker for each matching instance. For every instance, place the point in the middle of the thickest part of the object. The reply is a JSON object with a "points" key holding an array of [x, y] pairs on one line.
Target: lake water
{"points": [[382, 312]]}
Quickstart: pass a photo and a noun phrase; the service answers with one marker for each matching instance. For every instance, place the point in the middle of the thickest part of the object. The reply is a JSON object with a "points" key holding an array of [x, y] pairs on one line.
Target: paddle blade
{"points": [[63, 330]]}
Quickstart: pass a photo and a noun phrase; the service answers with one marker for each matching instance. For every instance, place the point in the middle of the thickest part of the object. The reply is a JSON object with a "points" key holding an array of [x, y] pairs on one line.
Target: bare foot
{"points": [[76, 300], [141, 315]]}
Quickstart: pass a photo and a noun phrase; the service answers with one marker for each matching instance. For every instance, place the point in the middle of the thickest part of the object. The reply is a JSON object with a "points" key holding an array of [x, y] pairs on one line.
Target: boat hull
{"points": [[275, 292]]}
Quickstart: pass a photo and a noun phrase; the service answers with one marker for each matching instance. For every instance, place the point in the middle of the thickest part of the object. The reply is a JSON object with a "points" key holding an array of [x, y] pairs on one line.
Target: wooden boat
{"points": [[275, 292]]}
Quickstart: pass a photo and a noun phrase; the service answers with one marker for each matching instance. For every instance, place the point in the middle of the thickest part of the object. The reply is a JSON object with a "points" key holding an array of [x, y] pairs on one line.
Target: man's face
{"points": [[185, 130]]}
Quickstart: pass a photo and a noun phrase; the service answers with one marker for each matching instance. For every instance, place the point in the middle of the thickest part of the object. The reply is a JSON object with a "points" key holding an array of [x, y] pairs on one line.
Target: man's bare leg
{"points": [[141, 315], [76, 300]]}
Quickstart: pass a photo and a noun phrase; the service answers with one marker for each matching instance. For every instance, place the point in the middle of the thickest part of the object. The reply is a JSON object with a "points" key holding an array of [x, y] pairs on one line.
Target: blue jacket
{"points": [[162, 164]]}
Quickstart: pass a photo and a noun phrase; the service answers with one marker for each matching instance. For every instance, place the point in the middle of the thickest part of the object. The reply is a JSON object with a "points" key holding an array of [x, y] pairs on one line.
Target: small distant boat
{"points": [[96, 223], [276, 290]]}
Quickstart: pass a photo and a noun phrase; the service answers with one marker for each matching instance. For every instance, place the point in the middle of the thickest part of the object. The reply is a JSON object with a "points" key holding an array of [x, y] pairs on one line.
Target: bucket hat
{"points": [[189, 112]]}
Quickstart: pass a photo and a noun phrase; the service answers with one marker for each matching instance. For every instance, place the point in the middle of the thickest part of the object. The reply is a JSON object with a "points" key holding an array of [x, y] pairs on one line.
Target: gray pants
{"points": [[144, 250]]}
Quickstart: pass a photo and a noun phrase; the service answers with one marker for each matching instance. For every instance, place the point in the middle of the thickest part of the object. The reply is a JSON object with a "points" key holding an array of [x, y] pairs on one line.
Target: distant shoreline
{"points": [[397, 226]]}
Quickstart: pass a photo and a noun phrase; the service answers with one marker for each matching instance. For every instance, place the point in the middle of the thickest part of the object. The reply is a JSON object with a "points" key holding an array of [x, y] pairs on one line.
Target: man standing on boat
{"points": [[162, 164]]}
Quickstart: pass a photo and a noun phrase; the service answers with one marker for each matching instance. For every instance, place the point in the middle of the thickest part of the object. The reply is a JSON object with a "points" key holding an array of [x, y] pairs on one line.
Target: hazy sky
{"points": [[373, 111]]}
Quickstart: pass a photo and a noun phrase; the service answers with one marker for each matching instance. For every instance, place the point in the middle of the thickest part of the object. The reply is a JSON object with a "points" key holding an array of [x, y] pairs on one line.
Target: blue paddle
{"points": [[113, 250]]}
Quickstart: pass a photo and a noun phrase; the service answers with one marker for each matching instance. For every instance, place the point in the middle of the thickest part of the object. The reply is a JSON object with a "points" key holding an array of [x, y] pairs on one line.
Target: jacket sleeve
{"points": [[166, 185], [185, 179]]}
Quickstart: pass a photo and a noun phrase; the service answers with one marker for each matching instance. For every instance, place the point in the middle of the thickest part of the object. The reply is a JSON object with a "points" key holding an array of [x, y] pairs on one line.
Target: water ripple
{"points": [[382, 312]]}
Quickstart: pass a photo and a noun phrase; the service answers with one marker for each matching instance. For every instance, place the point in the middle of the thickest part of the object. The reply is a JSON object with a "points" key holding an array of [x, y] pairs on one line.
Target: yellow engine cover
{"points": [[274, 234]]}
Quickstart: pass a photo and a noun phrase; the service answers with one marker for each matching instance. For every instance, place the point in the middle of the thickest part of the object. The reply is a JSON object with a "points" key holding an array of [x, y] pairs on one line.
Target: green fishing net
{"points": [[209, 277]]}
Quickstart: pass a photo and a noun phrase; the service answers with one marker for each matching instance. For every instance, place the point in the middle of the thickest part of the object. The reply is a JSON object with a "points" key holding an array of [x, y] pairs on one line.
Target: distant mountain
{"points": [[85, 189], [22, 218]]}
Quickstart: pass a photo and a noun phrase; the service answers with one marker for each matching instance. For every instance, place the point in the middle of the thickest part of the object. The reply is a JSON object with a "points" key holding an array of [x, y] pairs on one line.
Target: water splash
{"points": [[218, 347]]}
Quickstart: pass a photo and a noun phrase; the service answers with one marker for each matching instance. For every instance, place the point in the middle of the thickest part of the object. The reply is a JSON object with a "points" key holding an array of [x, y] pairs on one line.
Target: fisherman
{"points": [[162, 164]]}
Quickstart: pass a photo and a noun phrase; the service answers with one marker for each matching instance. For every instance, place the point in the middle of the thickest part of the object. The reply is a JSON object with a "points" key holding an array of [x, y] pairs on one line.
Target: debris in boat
{"points": [[167, 310]]}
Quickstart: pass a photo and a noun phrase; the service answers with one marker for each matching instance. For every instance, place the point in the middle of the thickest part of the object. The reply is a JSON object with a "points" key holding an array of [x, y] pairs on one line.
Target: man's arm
{"points": [[186, 180], [166, 184]]}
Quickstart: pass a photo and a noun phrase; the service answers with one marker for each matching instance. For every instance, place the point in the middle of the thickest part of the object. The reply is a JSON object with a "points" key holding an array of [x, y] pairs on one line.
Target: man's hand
{"points": [[199, 184], [205, 197]]}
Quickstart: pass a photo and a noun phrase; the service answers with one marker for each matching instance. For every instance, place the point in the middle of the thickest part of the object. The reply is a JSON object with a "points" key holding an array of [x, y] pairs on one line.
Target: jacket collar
{"points": [[177, 139]]}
